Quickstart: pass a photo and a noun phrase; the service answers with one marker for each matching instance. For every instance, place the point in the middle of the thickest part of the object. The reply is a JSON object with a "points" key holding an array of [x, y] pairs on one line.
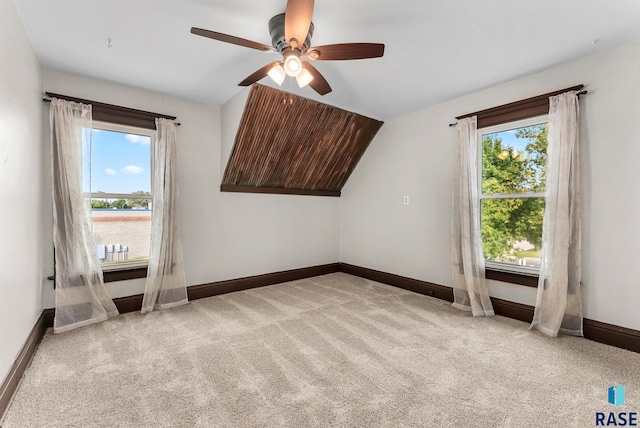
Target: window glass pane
{"points": [[513, 161], [512, 230], [119, 162], [119, 165]]}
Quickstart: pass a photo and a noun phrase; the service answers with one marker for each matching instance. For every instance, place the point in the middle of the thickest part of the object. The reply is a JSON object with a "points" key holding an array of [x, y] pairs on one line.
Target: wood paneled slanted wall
{"points": [[293, 145]]}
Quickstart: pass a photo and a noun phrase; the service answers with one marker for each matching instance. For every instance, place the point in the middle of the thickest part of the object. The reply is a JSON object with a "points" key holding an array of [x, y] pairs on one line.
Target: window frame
{"points": [[118, 115], [117, 271], [505, 272], [511, 112]]}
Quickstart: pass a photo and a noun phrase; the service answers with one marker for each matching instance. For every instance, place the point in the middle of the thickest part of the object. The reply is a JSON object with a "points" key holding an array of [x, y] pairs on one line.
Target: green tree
{"points": [[142, 203], [507, 170], [120, 204], [98, 204], [537, 151]]}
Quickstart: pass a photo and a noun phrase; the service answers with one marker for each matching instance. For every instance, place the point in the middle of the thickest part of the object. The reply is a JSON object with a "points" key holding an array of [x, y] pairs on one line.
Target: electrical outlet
{"points": [[406, 200]]}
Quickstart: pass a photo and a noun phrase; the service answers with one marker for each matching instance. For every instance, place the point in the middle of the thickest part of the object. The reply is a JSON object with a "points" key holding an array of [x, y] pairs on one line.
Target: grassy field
{"points": [[535, 254]]}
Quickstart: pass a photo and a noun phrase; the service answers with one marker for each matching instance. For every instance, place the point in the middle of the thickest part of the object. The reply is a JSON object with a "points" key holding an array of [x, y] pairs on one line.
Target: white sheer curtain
{"points": [[166, 285], [559, 304], [81, 297], [467, 260]]}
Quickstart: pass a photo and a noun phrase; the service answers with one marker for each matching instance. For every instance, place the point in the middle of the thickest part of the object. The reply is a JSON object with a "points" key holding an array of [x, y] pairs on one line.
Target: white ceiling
{"points": [[435, 49]]}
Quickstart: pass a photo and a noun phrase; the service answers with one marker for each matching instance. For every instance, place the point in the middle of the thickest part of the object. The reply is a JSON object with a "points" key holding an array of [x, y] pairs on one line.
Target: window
{"points": [[117, 184], [126, 121], [499, 226], [512, 180]]}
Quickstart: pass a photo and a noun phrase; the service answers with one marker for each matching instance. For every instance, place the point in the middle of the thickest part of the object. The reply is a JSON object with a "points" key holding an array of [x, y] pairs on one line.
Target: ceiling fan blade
{"points": [[297, 20], [230, 39], [319, 83], [346, 51], [257, 75]]}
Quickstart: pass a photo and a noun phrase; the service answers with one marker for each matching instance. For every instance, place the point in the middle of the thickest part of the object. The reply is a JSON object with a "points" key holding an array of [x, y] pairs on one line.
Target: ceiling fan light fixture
{"points": [[277, 74], [291, 33], [304, 78], [292, 64]]}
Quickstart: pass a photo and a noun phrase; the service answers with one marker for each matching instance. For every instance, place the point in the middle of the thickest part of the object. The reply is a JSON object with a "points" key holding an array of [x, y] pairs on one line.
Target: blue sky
{"points": [[120, 163], [509, 139]]}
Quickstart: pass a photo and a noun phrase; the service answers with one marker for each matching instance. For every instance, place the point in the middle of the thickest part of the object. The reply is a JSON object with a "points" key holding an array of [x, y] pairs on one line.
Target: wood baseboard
{"points": [[422, 287], [12, 380], [620, 337], [516, 311], [229, 286], [134, 303], [609, 334]]}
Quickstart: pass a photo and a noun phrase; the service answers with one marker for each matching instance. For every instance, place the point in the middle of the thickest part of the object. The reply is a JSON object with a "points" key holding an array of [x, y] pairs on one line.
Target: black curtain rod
{"points": [[584, 92], [48, 100]]}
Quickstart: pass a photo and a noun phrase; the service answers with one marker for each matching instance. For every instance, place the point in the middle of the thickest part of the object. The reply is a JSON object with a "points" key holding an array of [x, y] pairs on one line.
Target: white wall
{"points": [[225, 235], [276, 232], [21, 156], [413, 155]]}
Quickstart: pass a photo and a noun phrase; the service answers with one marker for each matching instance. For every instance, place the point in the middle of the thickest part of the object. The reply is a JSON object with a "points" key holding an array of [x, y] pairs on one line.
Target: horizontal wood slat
{"points": [[293, 145]]}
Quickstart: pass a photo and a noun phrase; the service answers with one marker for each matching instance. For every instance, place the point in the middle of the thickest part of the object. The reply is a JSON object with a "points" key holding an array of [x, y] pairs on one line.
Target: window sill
{"points": [[529, 280]]}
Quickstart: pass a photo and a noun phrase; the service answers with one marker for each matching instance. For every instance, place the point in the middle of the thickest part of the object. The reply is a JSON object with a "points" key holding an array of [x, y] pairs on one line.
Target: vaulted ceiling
{"points": [[435, 49]]}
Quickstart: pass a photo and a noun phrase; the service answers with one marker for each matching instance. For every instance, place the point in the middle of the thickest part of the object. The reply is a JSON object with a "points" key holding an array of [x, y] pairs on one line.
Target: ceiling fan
{"points": [[291, 34]]}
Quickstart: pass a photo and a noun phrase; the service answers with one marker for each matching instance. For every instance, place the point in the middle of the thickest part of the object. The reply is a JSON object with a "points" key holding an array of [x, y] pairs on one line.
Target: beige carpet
{"points": [[334, 350]]}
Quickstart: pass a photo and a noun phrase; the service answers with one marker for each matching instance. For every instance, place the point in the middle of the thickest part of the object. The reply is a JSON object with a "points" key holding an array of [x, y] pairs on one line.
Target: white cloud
{"points": [[132, 169], [109, 171], [138, 139]]}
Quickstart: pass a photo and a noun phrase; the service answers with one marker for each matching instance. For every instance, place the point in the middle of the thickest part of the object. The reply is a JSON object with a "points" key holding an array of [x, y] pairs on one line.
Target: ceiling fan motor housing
{"points": [[278, 40]]}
